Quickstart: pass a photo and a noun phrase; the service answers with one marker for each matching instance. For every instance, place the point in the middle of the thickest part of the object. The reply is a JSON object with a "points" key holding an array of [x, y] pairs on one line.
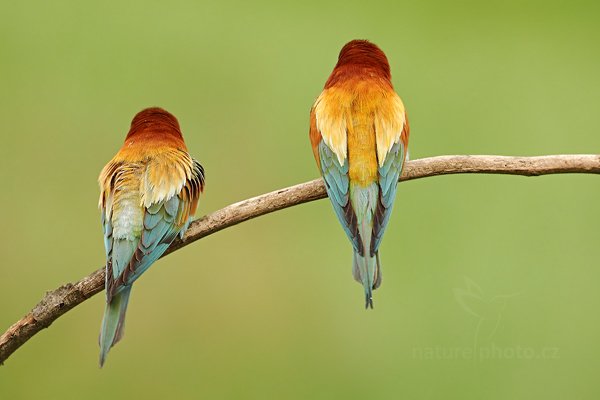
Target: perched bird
{"points": [[359, 136], [148, 194]]}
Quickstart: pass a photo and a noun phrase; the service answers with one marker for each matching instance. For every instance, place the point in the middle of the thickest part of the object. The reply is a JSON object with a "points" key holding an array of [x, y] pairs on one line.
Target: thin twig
{"points": [[57, 302]]}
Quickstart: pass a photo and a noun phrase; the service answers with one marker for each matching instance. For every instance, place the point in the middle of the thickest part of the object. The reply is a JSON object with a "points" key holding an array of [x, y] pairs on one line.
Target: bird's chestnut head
{"points": [[358, 57], [154, 121]]}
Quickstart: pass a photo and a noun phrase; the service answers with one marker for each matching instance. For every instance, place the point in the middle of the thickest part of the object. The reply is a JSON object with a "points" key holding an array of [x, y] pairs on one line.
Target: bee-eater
{"points": [[148, 194], [359, 136]]}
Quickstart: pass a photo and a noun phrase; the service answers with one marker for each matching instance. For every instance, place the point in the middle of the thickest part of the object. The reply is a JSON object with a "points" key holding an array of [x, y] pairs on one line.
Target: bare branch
{"points": [[57, 302]]}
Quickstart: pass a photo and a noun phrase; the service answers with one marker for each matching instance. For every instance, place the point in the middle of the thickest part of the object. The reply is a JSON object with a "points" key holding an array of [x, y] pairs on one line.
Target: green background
{"points": [[490, 282]]}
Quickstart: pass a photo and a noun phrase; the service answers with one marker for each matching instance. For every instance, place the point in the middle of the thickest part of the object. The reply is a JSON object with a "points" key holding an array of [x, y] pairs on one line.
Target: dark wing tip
{"points": [[368, 301]]}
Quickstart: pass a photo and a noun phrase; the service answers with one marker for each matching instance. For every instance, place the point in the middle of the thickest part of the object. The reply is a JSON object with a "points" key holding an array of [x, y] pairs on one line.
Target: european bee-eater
{"points": [[148, 194], [359, 135]]}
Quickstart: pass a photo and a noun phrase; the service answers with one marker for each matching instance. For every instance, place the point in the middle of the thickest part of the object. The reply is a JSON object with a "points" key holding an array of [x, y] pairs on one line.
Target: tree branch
{"points": [[57, 302]]}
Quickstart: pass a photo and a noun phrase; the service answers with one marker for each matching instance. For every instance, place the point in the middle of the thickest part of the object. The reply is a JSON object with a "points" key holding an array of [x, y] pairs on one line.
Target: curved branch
{"points": [[57, 302]]}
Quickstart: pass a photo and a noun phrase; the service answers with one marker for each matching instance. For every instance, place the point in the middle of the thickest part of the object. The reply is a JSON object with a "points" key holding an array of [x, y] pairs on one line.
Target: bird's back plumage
{"points": [[149, 192], [359, 134]]}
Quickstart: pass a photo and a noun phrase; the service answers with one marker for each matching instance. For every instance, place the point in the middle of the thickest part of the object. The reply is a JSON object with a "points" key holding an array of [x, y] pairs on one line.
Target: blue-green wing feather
{"points": [[389, 173], [337, 183], [159, 230]]}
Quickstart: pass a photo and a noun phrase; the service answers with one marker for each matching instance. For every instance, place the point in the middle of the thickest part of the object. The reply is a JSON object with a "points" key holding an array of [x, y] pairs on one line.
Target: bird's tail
{"points": [[113, 323], [367, 271]]}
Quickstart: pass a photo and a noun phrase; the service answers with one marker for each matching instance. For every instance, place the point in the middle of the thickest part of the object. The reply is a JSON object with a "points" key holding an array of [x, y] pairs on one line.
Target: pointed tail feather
{"points": [[113, 323], [367, 271]]}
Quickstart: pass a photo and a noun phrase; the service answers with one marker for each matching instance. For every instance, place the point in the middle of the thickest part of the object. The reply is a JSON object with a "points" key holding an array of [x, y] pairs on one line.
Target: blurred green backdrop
{"points": [[491, 282]]}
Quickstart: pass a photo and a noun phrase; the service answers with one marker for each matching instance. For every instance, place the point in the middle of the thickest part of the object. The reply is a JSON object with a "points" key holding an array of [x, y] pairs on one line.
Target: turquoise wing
{"points": [[161, 227], [389, 173], [337, 183]]}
